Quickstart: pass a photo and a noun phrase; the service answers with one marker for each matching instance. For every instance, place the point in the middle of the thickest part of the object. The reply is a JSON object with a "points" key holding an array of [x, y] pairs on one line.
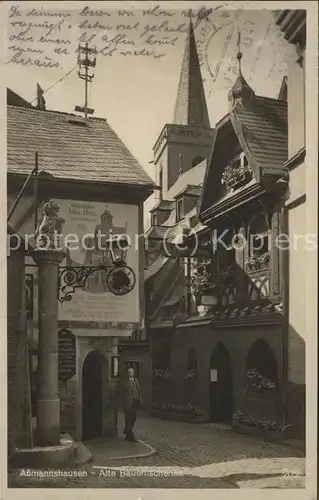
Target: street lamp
{"points": [[119, 278], [118, 246]]}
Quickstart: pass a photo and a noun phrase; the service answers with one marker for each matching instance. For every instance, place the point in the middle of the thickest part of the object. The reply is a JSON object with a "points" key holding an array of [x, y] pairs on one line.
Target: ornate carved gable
{"points": [[250, 148], [228, 169]]}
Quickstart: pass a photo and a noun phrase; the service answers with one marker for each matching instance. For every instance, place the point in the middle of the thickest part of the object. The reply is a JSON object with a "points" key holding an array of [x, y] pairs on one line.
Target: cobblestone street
{"points": [[188, 456]]}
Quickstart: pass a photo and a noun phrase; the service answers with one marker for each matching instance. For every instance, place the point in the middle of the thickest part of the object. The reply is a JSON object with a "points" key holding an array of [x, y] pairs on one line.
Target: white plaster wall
{"points": [[297, 182], [297, 294], [296, 106]]}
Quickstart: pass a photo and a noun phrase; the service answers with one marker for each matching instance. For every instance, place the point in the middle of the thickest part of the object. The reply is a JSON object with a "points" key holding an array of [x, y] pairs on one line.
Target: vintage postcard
{"points": [[161, 253]]}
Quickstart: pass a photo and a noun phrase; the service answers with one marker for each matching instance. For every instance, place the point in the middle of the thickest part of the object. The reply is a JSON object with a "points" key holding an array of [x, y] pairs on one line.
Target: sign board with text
{"points": [[95, 303]]}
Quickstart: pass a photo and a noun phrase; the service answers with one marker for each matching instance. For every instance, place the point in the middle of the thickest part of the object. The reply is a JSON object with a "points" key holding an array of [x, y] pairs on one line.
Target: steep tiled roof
{"points": [[164, 205], [158, 232], [155, 267], [83, 151], [191, 106], [263, 128]]}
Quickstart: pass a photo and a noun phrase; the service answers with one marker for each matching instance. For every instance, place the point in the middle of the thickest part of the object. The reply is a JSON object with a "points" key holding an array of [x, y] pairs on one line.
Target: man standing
{"points": [[131, 402]]}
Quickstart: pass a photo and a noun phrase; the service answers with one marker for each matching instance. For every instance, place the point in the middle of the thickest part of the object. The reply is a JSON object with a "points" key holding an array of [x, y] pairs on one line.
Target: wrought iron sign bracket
{"points": [[118, 279]]}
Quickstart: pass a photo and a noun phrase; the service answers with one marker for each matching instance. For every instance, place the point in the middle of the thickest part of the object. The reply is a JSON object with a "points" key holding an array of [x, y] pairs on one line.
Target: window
{"points": [[237, 172], [179, 210], [29, 295], [115, 367], [259, 236], [162, 356], [161, 183], [193, 221], [240, 161]]}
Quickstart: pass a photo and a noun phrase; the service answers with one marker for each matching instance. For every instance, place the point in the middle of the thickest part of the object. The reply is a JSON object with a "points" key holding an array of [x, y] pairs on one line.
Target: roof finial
{"points": [[239, 54], [240, 91]]}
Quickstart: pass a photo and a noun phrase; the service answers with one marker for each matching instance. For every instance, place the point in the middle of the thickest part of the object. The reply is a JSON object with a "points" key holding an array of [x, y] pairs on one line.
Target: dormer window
{"points": [[179, 209], [153, 219], [237, 173]]}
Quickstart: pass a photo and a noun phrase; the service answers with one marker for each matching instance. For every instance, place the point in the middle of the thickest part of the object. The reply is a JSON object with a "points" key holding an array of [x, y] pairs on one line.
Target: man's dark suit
{"points": [[131, 401]]}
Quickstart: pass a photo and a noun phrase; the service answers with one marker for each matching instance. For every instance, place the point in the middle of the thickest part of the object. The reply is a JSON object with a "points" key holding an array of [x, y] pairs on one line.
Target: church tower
{"points": [[188, 140]]}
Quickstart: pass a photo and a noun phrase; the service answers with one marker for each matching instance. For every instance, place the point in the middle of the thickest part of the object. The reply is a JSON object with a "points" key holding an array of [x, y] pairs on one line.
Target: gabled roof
{"points": [[158, 232], [191, 106], [70, 148], [155, 267], [189, 190], [163, 205], [261, 129], [15, 99]]}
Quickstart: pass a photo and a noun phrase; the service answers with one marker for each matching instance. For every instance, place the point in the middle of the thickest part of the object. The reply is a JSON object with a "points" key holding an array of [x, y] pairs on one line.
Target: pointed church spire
{"points": [[191, 106], [240, 90]]}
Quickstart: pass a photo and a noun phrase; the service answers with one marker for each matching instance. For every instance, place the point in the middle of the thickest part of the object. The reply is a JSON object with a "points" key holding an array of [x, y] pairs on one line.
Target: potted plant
{"points": [[201, 280], [258, 262], [257, 381]]}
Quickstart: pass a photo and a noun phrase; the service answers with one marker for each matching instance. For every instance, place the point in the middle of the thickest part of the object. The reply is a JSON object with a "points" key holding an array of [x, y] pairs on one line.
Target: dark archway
{"points": [[261, 357], [92, 395], [162, 356], [221, 386]]}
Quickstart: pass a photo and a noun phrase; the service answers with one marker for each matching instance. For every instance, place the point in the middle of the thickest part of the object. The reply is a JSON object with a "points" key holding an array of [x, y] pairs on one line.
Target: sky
{"points": [[136, 93]]}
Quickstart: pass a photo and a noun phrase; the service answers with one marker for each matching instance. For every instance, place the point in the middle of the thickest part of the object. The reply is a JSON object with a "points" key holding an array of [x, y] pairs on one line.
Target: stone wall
{"points": [[68, 398], [238, 341]]}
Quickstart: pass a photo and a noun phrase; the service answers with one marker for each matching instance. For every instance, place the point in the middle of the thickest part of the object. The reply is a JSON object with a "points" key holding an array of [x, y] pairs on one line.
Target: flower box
{"points": [[265, 434], [180, 414], [267, 429], [257, 394], [254, 380]]}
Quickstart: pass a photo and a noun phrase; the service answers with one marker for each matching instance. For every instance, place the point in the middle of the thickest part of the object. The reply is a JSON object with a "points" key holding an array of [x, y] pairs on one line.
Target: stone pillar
{"points": [[48, 404]]}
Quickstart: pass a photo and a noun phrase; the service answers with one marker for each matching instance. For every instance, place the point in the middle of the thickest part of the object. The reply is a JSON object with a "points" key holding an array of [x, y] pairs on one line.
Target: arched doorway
{"points": [[221, 386], [92, 395]]}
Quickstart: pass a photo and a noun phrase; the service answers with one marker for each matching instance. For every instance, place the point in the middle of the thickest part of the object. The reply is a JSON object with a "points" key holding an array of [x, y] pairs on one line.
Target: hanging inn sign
{"points": [[98, 279]]}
